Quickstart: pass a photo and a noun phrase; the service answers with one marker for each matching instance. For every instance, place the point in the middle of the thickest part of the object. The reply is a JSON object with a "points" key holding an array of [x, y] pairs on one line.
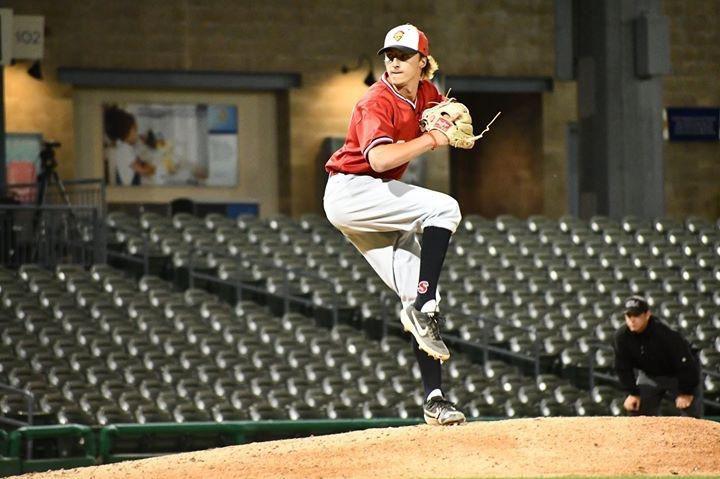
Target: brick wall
{"points": [[692, 170], [315, 37]]}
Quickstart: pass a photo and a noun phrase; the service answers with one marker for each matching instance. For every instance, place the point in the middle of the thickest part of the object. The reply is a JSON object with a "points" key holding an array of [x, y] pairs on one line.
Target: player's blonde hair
{"points": [[428, 71]]}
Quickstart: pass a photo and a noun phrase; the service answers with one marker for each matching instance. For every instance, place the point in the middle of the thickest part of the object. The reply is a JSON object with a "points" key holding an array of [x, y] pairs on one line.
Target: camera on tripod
{"points": [[48, 174], [48, 161]]}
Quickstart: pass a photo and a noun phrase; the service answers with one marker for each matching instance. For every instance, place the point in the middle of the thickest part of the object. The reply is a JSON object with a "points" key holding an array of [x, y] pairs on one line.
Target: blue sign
{"points": [[693, 124]]}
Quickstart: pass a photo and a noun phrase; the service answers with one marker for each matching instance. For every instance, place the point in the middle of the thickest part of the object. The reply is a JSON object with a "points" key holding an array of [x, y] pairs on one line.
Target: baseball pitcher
{"points": [[403, 231]]}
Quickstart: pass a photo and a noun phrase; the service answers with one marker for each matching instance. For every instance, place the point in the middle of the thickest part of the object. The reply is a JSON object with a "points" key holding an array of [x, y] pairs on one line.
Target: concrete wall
{"points": [[41, 106], [315, 37]]}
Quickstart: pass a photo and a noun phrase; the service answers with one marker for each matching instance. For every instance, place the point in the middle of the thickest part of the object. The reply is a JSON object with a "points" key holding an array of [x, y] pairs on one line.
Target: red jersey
{"points": [[381, 116]]}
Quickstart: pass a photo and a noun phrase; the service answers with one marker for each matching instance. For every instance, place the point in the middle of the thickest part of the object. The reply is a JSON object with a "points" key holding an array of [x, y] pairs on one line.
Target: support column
{"points": [[622, 49], [3, 153]]}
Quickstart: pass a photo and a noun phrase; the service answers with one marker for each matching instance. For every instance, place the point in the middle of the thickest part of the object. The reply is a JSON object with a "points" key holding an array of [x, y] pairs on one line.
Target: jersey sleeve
{"points": [[374, 126], [435, 95]]}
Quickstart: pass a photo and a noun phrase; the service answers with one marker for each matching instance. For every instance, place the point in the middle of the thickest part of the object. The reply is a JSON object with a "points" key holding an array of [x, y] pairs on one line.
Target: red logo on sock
{"points": [[423, 287]]}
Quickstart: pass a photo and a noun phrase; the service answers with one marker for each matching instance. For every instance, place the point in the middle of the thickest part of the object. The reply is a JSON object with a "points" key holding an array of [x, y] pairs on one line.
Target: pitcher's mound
{"points": [[599, 446]]}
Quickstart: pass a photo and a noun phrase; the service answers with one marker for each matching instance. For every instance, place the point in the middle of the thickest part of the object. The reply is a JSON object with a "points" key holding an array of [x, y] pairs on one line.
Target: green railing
{"points": [[88, 451], [83, 436], [237, 432], [8, 465]]}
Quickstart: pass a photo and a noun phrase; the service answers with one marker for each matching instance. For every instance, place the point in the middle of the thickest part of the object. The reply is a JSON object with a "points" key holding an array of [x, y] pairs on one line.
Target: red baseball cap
{"points": [[406, 37]]}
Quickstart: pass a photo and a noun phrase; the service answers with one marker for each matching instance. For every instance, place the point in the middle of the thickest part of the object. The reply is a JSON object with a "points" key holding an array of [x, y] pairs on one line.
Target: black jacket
{"points": [[658, 351]]}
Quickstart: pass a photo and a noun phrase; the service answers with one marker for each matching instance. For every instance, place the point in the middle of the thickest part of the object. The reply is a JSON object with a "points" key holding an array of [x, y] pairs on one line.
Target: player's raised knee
{"points": [[453, 209], [447, 213], [334, 214]]}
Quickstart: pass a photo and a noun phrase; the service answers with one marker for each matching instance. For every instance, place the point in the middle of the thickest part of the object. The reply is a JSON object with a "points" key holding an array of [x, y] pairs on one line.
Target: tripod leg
{"points": [[40, 200], [63, 191], [42, 180], [71, 213]]}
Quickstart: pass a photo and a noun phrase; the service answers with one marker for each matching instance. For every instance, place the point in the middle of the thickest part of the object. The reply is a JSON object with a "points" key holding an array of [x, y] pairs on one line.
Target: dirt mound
{"points": [[521, 447]]}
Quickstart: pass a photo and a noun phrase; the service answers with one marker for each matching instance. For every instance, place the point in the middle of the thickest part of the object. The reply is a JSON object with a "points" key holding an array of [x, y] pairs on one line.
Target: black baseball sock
{"points": [[430, 369], [432, 255]]}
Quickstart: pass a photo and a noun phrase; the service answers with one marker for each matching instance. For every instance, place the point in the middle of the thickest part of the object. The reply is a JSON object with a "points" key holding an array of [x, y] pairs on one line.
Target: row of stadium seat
{"points": [[560, 282], [96, 347]]}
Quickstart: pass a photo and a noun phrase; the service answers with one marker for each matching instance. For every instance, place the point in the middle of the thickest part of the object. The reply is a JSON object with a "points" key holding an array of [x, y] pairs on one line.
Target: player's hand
{"points": [[632, 403], [453, 120], [683, 401], [440, 139]]}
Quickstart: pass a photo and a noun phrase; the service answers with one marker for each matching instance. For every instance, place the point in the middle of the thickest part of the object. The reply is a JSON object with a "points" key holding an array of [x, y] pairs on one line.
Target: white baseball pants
{"points": [[384, 219]]}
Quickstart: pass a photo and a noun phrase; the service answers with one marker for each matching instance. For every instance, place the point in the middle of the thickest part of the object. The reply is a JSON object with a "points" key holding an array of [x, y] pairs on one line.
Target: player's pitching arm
{"points": [[388, 156]]}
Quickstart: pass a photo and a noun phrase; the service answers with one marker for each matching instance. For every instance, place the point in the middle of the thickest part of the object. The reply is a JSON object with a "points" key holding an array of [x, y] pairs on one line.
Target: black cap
{"points": [[635, 306]]}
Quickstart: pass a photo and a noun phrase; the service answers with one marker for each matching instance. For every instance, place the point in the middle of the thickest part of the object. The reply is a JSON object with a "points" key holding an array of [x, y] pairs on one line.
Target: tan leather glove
{"points": [[453, 120]]}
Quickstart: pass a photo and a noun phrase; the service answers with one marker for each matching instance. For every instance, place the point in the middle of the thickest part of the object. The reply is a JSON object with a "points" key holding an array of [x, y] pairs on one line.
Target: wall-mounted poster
{"points": [[156, 144], [22, 152]]}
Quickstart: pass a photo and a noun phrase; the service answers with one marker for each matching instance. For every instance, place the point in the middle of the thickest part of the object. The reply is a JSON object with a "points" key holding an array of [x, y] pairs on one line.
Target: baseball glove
{"points": [[453, 120]]}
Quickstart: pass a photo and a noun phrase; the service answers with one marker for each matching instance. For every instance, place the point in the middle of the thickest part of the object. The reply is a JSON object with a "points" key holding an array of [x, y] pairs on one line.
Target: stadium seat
{"points": [[565, 280]]}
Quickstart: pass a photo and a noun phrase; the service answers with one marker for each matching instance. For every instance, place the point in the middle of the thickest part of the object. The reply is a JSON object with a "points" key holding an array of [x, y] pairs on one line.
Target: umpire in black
{"points": [[664, 362]]}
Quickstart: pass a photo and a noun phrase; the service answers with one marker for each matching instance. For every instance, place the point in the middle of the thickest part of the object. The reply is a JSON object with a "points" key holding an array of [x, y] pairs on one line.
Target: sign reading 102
{"points": [[28, 37]]}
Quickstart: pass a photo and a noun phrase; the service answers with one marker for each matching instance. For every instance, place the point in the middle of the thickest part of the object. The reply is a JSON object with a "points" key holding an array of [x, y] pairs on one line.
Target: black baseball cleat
{"points": [[426, 329], [439, 411]]}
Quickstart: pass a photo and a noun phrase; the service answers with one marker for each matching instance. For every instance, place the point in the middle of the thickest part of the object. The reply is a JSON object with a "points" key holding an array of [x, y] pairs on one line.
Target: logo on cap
{"points": [[408, 37], [635, 305], [632, 303]]}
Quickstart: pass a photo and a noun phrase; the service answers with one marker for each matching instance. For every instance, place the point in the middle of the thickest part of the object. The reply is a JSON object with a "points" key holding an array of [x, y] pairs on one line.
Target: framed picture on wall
{"points": [[170, 144]]}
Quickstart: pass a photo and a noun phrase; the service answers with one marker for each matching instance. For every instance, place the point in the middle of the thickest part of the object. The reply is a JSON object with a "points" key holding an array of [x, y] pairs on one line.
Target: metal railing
{"points": [[30, 410], [26, 434], [46, 247], [706, 401], [486, 345], [29, 401], [240, 284], [593, 374], [488, 348], [51, 234], [89, 193], [284, 294]]}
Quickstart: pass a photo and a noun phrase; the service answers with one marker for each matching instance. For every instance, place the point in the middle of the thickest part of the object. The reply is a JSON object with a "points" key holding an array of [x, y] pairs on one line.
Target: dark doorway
{"points": [[503, 173]]}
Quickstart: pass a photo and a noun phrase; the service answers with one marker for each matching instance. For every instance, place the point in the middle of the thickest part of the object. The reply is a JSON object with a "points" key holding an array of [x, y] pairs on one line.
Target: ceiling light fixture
{"points": [[35, 71]]}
